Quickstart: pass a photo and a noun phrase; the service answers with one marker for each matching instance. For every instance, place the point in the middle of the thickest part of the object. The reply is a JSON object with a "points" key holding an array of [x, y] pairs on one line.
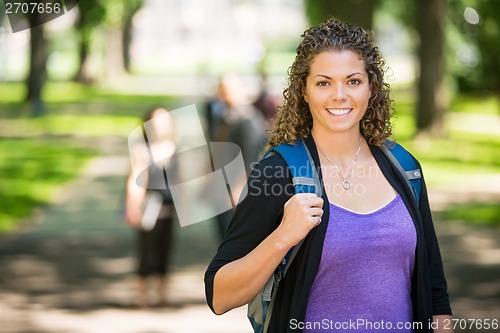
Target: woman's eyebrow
{"points": [[348, 76], [355, 73], [322, 75]]}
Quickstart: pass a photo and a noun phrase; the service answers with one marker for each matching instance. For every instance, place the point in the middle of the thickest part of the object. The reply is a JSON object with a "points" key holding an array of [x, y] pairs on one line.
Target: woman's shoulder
{"points": [[400, 151], [272, 166], [395, 148]]}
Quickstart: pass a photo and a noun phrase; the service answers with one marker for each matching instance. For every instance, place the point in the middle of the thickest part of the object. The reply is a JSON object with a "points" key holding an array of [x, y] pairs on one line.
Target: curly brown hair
{"points": [[294, 120]]}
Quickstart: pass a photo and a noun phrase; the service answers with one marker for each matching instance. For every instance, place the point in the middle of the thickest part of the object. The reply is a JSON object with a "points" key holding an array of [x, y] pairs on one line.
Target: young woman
{"points": [[152, 154], [370, 254]]}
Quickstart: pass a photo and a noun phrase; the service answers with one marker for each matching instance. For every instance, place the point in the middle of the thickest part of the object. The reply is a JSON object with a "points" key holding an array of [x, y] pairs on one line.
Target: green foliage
{"points": [[318, 10], [489, 45], [474, 48], [118, 11], [113, 13], [92, 13], [403, 11], [471, 50], [358, 12]]}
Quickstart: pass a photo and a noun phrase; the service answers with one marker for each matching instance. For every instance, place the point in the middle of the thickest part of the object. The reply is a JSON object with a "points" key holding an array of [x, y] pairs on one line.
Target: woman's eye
{"points": [[322, 83], [355, 82]]}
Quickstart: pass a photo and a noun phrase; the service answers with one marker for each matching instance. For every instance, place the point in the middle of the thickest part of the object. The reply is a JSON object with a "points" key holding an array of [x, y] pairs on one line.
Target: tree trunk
{"points": [[114, 53], [127, 41], [2, 16], [128, 27], [432, 99], [489, 47], [91, 15], [83, 75], [38, 60]]}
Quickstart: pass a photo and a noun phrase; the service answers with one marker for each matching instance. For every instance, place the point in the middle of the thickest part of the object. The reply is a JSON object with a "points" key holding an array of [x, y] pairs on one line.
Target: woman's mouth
{"points": [[339, 111]]}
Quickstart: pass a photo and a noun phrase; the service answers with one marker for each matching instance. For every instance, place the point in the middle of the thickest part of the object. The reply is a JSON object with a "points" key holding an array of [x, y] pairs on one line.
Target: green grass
{"points": [[73, 125], [32, 170], [458, 161], [37, 155], [11, 92], [459, 154], [477, 213], [455, 160], [54, 93], [487, 103]]}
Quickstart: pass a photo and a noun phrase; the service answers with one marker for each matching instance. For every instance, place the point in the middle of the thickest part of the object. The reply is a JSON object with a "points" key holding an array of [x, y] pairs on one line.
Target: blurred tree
{"points": [[116, 17], [38, 60], [489, 44], [92, 14], [432, 96], [462, 54], [475, 28], [119, 20], [428, 17], [358, 12], [131, 8], [2, 14]]}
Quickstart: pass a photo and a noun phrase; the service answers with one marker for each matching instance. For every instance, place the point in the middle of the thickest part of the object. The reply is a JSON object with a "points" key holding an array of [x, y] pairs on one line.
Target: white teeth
{"points": [[338, 112]]}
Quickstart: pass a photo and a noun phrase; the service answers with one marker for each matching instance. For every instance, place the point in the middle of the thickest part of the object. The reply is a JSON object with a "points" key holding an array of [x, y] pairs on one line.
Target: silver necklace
{"points": [[346, 184]]}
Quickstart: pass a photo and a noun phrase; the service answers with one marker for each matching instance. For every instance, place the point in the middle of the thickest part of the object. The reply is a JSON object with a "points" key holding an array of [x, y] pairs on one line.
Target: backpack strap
{"points": [[406, 165], [305, 179]]}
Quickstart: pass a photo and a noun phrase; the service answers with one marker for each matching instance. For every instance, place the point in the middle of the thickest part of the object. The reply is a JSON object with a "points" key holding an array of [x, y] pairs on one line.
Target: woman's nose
{"points": [[338, 93]]}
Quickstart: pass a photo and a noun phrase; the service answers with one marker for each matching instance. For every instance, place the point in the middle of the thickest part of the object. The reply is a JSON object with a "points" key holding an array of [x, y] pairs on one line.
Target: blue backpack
{"points": [[305, 179], [406, 165]]}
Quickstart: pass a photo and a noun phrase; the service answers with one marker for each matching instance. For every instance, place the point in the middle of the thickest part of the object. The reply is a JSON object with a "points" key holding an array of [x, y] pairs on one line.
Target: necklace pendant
{"points": [[346, 184]]}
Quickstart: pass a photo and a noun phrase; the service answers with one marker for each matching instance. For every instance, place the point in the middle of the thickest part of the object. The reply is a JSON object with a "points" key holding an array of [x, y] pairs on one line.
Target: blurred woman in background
{"points": [[149, 206]]}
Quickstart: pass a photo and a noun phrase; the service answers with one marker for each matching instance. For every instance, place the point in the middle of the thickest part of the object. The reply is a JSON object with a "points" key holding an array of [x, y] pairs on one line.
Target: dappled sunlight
{"points": [[112, 266], [71, 267], [483, 249], [471, 258], [196, 319], [31, 274]]}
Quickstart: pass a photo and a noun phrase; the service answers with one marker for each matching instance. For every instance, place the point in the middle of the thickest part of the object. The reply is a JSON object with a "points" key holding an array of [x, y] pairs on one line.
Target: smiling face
{"points": [[337, 92]]}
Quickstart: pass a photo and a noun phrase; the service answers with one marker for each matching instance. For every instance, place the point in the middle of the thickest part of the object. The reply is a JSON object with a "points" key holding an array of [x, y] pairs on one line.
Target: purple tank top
{"points": [[363, 283]]}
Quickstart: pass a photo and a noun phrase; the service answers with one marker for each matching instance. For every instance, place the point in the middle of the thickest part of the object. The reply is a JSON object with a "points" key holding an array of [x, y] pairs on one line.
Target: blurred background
{"points": [[73, 88]]}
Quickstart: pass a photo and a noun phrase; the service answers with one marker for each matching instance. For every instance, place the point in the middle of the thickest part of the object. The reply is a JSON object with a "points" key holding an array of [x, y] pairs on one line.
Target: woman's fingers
{"points": [[303, 211], [307, 200]]}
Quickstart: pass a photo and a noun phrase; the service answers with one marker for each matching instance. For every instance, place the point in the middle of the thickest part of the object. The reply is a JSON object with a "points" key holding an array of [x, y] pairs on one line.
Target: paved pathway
{"points": [[70, 270]]}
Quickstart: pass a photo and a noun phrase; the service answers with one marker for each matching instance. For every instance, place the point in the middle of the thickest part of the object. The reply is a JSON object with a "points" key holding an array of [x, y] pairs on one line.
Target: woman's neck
{"points": [[339, 146]]}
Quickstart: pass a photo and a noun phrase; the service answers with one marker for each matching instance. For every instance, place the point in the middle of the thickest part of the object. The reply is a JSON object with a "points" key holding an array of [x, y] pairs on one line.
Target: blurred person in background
{"points": [[369, 248], [216, 108], [232, 119], [149, 206], [265, 102]]}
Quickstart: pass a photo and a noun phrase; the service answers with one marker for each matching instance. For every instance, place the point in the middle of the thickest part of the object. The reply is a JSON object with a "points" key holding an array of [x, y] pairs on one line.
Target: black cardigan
{"points": [[269, 187]]}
